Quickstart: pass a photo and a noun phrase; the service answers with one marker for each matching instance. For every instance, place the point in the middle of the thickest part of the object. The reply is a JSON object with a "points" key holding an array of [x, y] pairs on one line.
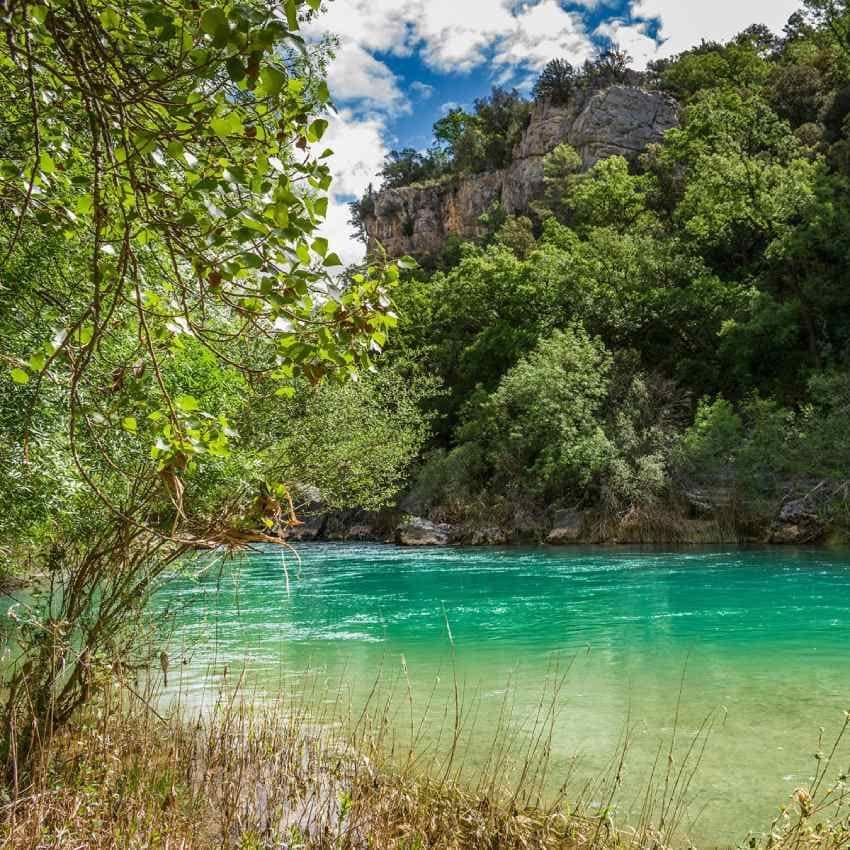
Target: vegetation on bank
{"points": [[248, 777], [176, 335], [668, 336]]}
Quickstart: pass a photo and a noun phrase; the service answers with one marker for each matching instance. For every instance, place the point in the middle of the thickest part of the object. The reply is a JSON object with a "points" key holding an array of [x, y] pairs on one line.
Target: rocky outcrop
{"points": [[621, 119], [490, 536], [310, 528], [422, 532], [796, 523], [417, 220], [567, 527]]}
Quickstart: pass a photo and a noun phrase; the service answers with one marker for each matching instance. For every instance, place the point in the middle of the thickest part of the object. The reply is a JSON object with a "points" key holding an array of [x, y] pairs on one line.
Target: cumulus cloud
{"points": [[685, 23], [359, 150], [376, 25], [541, 32], [633, 38], [356, 75], [453, 36], [422, 90]]}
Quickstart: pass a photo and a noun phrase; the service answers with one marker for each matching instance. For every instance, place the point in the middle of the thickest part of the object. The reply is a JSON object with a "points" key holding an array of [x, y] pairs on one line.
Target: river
{"points": [[649, 641]]}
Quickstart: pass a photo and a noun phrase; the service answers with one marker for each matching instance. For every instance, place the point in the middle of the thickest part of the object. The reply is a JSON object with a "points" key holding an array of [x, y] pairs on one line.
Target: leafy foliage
{"points": [[713, 268], [182, 172], [541, 425], [166, 292], [556, 82]]}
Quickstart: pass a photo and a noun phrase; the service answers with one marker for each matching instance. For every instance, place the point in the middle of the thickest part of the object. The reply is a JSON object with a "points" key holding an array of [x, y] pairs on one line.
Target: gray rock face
{"points": [[796, 523], [622, 120], [417, 220], [421, 532], [797, 511], [311, 528], [567, 527]]}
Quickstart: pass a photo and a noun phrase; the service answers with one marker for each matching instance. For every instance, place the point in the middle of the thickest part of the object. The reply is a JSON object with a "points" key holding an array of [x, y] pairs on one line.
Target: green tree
{"points": [[541, 429], [556, 82], [161, 191]]}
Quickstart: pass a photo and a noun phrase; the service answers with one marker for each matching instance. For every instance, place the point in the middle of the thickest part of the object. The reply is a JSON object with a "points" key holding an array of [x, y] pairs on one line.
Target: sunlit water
{"points": [[759, 637]]}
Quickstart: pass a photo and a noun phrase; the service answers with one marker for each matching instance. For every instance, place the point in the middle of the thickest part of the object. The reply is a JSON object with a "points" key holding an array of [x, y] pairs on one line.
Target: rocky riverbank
{"points": [[696, 522]]}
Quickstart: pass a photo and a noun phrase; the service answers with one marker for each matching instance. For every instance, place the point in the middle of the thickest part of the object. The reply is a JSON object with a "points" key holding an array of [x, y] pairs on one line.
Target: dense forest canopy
{"points": [[658, 333]]}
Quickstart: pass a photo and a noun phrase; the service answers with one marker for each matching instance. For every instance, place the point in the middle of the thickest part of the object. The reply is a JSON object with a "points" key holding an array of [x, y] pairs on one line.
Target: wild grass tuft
{"points": [[251, 774]]}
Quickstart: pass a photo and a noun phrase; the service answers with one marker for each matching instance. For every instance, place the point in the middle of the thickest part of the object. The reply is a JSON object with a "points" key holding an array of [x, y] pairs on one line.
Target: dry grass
{"points": [[246, 775], [665, 524]]}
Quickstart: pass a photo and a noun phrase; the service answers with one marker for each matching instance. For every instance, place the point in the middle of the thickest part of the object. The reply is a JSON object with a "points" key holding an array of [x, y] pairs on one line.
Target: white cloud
{"points": [[686, 22], [340, 234], [380, 25], [356, 75], [541, 32], [422, 90], [359, 150], [458, 35], [633, 38]]}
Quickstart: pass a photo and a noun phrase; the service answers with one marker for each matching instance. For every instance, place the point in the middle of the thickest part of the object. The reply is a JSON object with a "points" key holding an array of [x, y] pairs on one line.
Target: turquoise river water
{"points": [[755, 638]]}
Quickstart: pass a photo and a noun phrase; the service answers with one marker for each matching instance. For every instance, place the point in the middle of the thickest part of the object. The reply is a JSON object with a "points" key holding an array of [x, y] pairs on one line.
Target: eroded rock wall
{"points": [[622, 120]]}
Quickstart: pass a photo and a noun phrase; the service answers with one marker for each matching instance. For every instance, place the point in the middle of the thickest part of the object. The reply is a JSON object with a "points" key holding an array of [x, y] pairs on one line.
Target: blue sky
{"points": [[400, 62], [433, 92]]}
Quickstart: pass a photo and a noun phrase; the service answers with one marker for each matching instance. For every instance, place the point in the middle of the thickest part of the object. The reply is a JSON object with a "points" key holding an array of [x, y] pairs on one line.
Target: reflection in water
{"points": [[756, 636]]}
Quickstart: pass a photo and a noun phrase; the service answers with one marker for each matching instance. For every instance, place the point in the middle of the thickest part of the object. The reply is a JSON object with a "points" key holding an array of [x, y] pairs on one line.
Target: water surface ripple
{"points": [[759, 635]]}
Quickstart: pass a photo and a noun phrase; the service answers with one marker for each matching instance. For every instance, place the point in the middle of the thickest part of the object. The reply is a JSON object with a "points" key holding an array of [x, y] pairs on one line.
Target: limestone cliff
{"points": [[623, 120]]}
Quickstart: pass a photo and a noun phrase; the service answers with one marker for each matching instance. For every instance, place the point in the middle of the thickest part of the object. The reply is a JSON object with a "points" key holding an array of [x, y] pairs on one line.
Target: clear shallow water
{"points": [[760, 637]]}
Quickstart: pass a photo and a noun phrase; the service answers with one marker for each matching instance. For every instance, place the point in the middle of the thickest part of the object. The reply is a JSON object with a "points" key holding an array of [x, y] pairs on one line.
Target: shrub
{"points": [[542, 430]]}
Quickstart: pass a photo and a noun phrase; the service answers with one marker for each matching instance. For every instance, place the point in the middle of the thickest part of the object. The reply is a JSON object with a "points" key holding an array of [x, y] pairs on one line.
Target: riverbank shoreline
{"points": [[252, 779], [791, 525]]}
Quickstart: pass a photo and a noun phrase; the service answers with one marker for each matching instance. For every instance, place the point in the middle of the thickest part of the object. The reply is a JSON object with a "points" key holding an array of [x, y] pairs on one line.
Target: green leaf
{"points": [[303, 253], [235, 69], [291, 16], [110, 19], [272, 80], [285, 392], [19, 376], [227, 125], [84, 334], [320, 246], [37, 362], [333, 260], [46, 163], [186, 403], [213, 20], [129, 423], [316, 130]]}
